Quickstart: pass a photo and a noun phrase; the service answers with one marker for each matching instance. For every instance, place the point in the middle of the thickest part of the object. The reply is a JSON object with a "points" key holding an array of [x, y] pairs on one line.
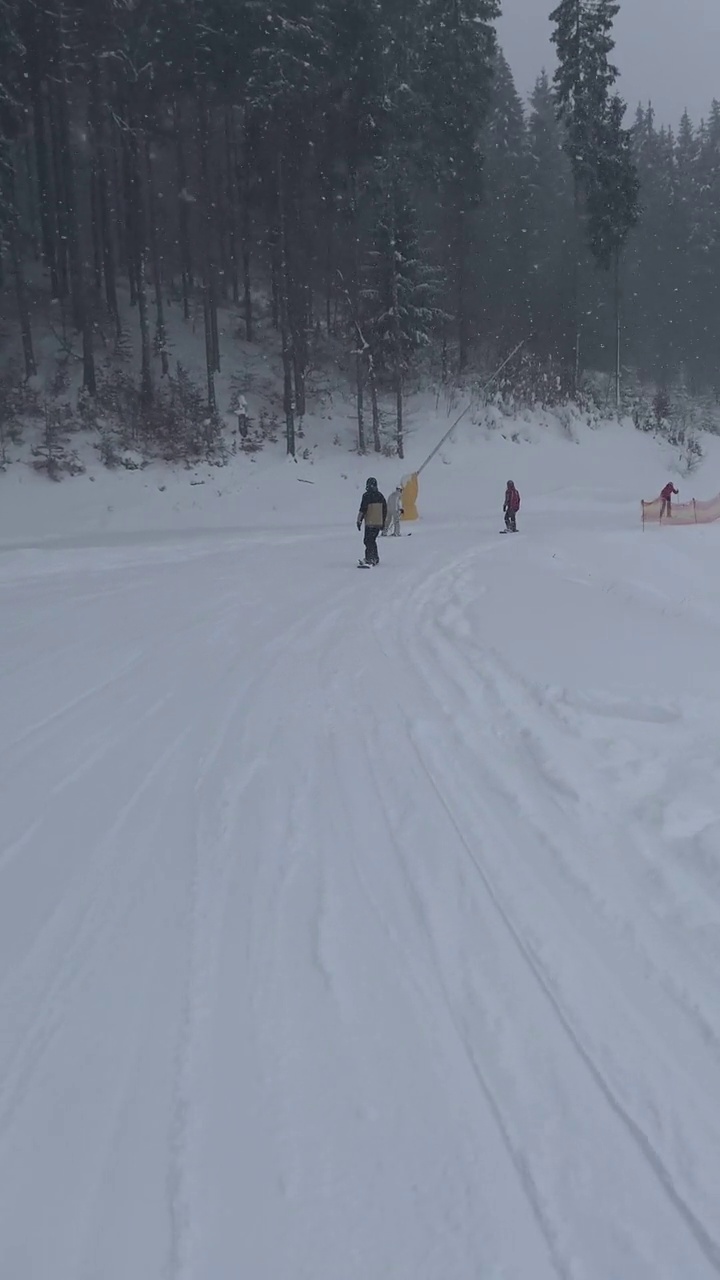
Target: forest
{"points": [[368, 167]]}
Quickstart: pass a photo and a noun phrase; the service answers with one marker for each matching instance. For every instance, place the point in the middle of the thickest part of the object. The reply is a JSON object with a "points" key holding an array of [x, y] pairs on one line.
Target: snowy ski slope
{"points": [[363, 926]]}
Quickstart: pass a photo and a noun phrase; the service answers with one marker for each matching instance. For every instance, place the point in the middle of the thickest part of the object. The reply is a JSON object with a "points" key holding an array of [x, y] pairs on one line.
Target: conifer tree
{"points": [[400, 294], [582, 35], [159, 152], [550, 227], [11, 56], [458, 68], [704, 276], [650, 283], [286, 87], [500, 281], [613, 206], [351, 135]]}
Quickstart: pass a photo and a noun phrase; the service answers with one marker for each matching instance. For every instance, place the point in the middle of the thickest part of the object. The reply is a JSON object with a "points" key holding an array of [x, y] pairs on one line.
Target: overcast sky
{"points": [[667, 51]]}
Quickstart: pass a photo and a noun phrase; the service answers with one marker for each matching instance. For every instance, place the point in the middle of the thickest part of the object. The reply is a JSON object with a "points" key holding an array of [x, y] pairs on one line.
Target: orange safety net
{"points": [[694, 512]]}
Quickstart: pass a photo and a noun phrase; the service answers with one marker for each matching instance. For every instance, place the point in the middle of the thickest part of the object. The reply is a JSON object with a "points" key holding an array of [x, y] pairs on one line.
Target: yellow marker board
{"points": [[409, 497]]}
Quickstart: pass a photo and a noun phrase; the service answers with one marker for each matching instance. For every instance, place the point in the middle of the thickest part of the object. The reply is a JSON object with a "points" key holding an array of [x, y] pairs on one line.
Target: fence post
{"points": [[642, 506], [694, 511]]}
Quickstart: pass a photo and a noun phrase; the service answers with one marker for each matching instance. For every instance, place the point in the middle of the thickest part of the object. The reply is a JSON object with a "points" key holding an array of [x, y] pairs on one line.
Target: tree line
{"points": [[368, 165]]}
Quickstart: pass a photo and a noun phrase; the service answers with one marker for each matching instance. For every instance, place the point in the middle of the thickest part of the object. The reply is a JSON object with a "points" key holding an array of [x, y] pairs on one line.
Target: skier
{"points": [[511, 506], [373, 511], [667, 495], [394, 512]]}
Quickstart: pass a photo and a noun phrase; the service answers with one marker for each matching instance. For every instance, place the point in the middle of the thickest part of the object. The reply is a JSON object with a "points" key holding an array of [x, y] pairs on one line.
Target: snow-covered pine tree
{"points": [[613, 206], [704, 279], [11, 66], [11, 115], [650, 284], [686, 226], [584, 77], [583, 38], [351, 135], [287, 85], [499, 272], [399, 294], [550, 227], [458, 61], [33, 33]]}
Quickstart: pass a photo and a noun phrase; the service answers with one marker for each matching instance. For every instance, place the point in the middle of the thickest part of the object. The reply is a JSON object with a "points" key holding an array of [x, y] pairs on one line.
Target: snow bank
{"points": [[557, 461]]}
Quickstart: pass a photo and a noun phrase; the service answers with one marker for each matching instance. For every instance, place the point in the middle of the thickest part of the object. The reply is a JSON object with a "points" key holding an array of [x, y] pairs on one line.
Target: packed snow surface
{"points": [[362, 926]]}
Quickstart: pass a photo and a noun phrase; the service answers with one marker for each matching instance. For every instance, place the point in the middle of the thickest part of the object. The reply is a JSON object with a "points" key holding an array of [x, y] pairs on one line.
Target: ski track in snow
{"points": [[339, 935]]}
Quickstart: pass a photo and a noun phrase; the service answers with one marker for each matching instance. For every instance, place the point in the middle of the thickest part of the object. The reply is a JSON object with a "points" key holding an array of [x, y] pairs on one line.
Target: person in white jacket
{"points": [[394, 512]]}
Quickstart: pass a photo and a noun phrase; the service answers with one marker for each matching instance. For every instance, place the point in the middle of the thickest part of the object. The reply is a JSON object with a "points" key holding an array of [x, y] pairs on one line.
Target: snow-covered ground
{"points": [[360, 926]]}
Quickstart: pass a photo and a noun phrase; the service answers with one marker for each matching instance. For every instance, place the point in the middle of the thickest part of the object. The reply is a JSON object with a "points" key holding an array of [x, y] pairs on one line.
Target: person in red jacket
{"points": [[511, 506], [667, 495]]}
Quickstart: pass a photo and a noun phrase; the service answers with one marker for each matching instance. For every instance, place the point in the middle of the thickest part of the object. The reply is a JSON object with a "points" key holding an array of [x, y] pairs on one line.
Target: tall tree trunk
{"points": [[146, 383], [296, 317], [400, 426], [617, 289], [117, 212], [131, 215], [247, 294], [209, 322], [362, 448], [156, 259], [186, 263], [138, 249], [299, 367], [215, 329], [232, 202], [22, 306], [209, 350], [577, 366], [60, 206], [82, 318], [244, 181], [30, 185], [89, 380], [77, 290], [397, 348], [329, 261], [297, 256], [461, 285], [95, 225], [47, 224], [105, 228], [377, 443], [274, 282], [285, 331], [209, 265], [353, 298], [288, 388], [13, 238], [218, 202]]}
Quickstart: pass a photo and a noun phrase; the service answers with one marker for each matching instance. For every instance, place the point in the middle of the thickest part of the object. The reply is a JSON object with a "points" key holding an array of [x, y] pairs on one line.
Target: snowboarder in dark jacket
{"points": [[373, 513], [511, 506]]}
